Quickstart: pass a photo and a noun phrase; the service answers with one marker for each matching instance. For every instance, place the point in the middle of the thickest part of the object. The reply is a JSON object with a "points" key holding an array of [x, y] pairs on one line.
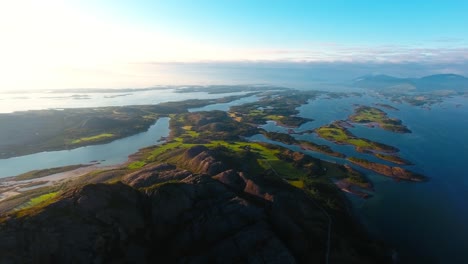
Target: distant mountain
{"points": [[429, 83]]}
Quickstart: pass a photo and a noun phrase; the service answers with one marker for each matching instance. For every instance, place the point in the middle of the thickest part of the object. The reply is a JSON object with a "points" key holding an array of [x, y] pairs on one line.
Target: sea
{"points": [[423, 222]]}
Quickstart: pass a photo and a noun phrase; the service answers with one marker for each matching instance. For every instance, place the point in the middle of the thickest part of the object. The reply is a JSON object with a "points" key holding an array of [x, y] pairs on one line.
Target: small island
{"points": [[338, 134], [280, 107], [389, 171], [393, 158], [375, 117]]}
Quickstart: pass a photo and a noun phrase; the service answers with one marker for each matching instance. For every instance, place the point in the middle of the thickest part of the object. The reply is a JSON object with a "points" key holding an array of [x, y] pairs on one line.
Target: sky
{"points": [[105, 43]]}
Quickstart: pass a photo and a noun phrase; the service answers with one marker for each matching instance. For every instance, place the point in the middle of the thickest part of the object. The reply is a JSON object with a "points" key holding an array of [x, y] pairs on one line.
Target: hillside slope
{"points": [[167, 213]]}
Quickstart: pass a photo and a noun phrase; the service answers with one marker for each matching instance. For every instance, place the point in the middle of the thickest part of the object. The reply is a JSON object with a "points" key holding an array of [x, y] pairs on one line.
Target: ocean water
{"points": [[12, 102], [425, 222]]}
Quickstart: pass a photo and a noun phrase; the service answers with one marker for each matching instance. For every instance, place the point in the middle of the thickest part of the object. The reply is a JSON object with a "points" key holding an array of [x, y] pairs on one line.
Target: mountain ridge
{"points": [[435, 82]]}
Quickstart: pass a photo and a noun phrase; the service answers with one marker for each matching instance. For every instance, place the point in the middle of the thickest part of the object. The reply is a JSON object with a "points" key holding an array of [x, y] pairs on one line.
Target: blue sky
{"points": [[62, 43], [291, 24]]}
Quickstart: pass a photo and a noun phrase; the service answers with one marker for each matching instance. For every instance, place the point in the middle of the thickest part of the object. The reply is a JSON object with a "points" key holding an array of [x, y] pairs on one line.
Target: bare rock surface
{"points": [[165, 214]]}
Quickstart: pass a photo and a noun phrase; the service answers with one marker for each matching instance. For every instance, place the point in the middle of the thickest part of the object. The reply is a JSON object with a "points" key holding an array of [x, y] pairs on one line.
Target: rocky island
{"points": [[339, 134], [394, 172], [371, 115]]}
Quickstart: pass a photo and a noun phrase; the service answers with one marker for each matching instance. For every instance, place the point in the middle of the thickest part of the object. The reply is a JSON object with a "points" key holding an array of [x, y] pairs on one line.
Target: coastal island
{"points": [[279, 107], [372, 116], [393, 159], [339, 134], [389, 171]]}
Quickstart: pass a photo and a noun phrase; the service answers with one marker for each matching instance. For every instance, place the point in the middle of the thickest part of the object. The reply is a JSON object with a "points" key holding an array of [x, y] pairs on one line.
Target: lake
{"points": [[111, 153]]}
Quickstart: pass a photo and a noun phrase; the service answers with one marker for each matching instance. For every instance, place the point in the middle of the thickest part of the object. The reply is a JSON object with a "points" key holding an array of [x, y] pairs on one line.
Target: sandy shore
{"points": [[10, 187]]}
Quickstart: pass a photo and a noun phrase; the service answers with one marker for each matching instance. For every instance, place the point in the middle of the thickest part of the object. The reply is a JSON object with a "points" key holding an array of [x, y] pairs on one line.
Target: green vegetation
{"points": [[370, 115], [306, 145], [340, 135], [298, 184], [136, 165], [281, 107], [276, 163], [47, 130], [38, 200], [93, 138], [357, 178], [203, 127]]}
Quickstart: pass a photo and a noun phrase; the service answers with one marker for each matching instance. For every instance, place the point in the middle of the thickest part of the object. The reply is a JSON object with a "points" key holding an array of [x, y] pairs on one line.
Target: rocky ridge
{"points": [[202, 211]]}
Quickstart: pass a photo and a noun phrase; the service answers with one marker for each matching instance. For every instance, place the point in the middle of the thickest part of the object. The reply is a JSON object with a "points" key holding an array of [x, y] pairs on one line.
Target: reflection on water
{"points": [[43, 100]]}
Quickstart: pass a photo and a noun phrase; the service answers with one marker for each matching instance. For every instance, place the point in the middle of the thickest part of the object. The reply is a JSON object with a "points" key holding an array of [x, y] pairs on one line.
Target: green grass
{"points": [[93, 138], [190, 132], [37, 200], [267, 155], [297, 183], [366, 114], [153, 154], [360, 143], [274, 117], [283, 169], [265, 152], [370, 114], [331, 133], [136, 165], [340, 135]]}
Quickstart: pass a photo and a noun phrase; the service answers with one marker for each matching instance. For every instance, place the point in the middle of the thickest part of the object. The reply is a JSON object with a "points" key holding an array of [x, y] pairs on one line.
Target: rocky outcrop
{"points": [[394, 172], [202, 160], [227, 217], [155, 174]]}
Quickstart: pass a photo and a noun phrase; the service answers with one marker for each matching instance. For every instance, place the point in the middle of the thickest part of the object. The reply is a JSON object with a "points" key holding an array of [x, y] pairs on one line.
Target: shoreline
{"points": [[9, 187]]}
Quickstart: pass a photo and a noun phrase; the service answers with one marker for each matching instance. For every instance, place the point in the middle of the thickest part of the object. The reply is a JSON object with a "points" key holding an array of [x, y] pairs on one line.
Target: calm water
{"points": [[427, 220], [225, 106], [11, 102], [111, 153]]}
